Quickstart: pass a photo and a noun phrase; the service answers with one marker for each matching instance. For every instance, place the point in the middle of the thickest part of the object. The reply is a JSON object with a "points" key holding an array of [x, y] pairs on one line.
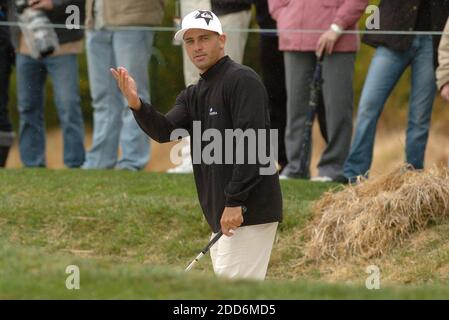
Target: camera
{"points": [[39, 36]]}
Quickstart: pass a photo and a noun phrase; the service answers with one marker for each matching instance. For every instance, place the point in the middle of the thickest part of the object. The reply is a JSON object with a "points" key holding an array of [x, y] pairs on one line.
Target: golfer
{"points": [[227, 96]]}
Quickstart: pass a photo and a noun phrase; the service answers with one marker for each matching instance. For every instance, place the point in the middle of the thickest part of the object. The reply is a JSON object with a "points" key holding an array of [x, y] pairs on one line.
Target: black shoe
{"points": [[341, 179]]}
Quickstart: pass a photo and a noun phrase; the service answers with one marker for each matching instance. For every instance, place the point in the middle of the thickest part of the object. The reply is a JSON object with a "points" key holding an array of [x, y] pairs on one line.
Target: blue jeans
{"points": [[113, 121], [31, 75], [385, 70]]}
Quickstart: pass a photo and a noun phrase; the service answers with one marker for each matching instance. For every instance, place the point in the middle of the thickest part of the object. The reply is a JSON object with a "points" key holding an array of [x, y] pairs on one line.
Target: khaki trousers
{"points": [[246, 254]]}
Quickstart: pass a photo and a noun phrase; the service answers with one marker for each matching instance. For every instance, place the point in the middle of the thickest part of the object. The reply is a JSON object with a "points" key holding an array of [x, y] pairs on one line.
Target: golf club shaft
{"points": [[204, 251]]}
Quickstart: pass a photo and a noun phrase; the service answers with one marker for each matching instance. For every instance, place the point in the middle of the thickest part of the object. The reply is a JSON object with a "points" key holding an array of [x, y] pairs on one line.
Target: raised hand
{"points": [[127, 86]]}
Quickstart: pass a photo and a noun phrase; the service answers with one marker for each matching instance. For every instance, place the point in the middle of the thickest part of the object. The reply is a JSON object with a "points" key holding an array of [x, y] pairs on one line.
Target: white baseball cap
{"points": [[199, 19]]}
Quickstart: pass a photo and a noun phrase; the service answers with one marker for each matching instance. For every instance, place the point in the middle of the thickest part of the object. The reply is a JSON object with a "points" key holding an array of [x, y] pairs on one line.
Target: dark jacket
{"points": [[5, 37], [4, 31], [6, 62], [400, 15], [56, 16], [228, 96], [263, 17], [222, 7]]}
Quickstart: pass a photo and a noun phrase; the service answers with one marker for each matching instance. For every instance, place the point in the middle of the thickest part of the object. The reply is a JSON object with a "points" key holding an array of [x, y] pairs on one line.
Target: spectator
{"points": [[273, 75], [6, 62], [393, 55], [62, 66], [443, 68], [300, 54], [233, 14], [107, 47]]}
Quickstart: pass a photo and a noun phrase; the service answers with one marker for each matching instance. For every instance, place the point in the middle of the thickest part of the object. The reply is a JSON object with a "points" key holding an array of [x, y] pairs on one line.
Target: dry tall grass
{"points": [[368, 219]]}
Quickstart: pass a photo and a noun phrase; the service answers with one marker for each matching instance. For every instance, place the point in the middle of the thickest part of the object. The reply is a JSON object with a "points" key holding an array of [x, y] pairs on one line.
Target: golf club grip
{"points": [[212, 242], [218, 236]]}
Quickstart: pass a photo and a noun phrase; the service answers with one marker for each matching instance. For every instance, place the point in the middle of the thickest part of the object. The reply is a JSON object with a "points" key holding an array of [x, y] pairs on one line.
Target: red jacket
{"points": [[316, 15]]}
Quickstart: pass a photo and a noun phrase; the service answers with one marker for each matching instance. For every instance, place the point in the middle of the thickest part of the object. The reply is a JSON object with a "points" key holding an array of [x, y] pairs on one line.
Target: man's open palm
{"points": [[127, 86]]}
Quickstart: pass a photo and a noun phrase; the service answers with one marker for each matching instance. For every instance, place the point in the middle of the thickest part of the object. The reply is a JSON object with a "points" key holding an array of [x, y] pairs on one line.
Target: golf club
{"points": [[204, 251], [206, 248], [316, 105]]}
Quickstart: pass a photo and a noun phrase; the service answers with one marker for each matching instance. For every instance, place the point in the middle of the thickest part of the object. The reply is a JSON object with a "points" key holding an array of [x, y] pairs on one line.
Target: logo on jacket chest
{"points": [[212, 111]]}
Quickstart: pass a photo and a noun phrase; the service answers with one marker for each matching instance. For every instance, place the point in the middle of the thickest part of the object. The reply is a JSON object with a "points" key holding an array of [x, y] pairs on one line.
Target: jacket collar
{"points": [[215, 69]]}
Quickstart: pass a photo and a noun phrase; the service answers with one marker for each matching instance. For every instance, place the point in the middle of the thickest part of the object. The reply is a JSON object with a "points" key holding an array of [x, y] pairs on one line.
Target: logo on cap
{"points": [[206, 15]]}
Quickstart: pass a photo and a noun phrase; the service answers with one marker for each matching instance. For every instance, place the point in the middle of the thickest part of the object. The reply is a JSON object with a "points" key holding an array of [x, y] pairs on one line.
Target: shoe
{"points": [[322, 179], [341, 179], [185, 167], [284, 176]]}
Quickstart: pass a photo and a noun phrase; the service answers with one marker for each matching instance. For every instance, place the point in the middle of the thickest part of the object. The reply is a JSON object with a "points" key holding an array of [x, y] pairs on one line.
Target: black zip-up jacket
{"points": [[222, 7], [228, 96]]}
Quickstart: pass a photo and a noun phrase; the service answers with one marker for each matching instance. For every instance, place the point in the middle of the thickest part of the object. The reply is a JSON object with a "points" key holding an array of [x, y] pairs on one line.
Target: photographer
{"points": [[61, 64], [6, 62]]}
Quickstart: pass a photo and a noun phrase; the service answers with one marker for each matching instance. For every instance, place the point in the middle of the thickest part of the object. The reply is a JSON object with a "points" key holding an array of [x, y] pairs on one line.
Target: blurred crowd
{"points": [[288, 60]]}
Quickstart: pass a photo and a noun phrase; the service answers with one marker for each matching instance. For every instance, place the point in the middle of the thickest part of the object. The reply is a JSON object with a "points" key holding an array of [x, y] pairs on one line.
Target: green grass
{"points": [[133, 233]]}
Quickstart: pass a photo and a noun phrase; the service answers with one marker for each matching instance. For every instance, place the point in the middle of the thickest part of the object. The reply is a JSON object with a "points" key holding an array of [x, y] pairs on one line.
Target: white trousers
{"points": [[246, 254]]}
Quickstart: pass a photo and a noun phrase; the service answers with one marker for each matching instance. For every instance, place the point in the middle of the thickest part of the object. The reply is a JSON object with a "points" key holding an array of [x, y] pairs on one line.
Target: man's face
{"points": [[204, 47]]}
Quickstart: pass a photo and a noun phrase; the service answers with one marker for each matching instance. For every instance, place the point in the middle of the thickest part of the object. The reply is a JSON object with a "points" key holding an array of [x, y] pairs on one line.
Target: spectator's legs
{"points": [[299, 68], [133, 50], [236, 40], [31, 75], [273, 74], [107, 101], [385, 70], [338, 70], [63, 71], [421, 101], [6, 133]]}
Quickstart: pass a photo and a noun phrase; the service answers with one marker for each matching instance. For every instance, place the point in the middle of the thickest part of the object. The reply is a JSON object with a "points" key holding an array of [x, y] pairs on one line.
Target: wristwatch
{"points": [[336, 28]]}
